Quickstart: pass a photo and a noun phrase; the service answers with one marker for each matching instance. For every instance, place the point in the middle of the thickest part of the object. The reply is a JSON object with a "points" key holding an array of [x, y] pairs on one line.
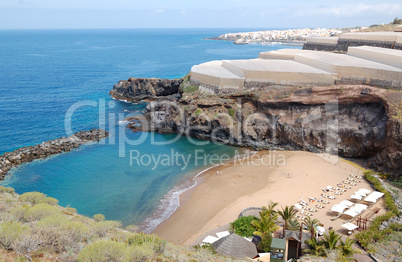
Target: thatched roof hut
{"points": [[235, 246]]}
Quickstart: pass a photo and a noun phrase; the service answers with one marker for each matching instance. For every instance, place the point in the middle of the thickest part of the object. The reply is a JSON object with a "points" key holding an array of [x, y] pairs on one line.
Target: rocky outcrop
{"points": [[135, 89], [45, 149], [352, 121]]}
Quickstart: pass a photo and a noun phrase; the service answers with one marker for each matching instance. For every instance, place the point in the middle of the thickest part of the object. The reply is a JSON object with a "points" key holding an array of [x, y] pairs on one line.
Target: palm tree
{"points": [[269, 209], [346, 247], [331, 240], [311, 224], [265, 225], [286, 213], [315, 248], [293, 225]]}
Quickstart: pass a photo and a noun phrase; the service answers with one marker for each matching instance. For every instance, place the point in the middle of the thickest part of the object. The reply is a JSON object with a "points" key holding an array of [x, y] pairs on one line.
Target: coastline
{"points": [[219, 199], [179, 194]]}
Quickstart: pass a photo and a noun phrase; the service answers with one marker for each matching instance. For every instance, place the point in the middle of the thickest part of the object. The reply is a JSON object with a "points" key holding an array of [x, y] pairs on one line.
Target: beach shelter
{"points": [[350, 213], [359, 208], [347, 203], [364, 191], [235, 246], [278, 249], [349, 226], [338, 208], [356, 197]]}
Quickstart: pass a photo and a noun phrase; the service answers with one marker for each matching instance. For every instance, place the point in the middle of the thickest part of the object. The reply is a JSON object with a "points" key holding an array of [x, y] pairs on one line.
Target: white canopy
{"points": [[349, 226], [350, 213], [370, 198], [338, 208], [377, 194], [363, 191], [359, 208], [210, 239], [298, 206], [347, 203], [223, 234], [358, 197]]}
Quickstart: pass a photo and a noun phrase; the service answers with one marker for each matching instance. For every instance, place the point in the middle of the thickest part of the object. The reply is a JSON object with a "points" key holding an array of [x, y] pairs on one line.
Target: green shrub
{"points": [[32, 197], [198, 112], [101, 228], [71, 210], [77, 230], [143, 239], [99, 217], [190, 89], [40, 211], [49, 200], [8, 190], [231, 112], [18, 213], [10, 231], [140, 253], [56, 220], [103, 251], [243, 227], [55, 239]]}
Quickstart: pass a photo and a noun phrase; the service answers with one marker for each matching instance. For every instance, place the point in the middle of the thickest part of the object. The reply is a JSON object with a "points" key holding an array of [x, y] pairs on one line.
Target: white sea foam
{"points": [[171, 201]]}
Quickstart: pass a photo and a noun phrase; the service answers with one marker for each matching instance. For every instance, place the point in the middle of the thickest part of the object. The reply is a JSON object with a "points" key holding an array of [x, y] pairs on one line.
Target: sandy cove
{"points": [[219, 199]]}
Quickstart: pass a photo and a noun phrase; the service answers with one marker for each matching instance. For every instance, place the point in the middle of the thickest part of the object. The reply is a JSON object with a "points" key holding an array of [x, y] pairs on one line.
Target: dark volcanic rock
{"points": [[135, 89], [352, 121], [28, 154]]}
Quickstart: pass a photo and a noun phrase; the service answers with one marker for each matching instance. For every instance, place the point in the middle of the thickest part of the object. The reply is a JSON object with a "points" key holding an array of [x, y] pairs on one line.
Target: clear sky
{"points": [[27, 14]]}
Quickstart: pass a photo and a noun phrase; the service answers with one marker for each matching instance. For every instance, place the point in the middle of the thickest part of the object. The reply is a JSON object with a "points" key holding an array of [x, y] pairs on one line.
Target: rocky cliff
{"points": [[135, 89], [45, 149], [359, 122]]}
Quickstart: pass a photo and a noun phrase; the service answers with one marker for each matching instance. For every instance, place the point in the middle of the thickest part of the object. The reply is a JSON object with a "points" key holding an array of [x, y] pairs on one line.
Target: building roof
{"points": [[235, 246], [278, 243]]}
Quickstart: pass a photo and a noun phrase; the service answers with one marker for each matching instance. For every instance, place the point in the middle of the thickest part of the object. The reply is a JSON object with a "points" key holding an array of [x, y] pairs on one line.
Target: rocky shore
{"points": [[64, 144], [136, 89], [364, 123]]}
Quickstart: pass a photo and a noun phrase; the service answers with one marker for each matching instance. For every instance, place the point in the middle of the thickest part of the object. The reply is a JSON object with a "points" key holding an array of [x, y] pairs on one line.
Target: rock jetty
{"points": [[45, 149], [136, 89]]}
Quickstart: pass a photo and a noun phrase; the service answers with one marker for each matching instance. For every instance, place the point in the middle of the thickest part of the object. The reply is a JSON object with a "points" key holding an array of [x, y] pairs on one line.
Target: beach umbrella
{"points": [[350, 213], [235, 246], [357, 197], [349, 226], [338, 208], [363, 191], [347, 203]]}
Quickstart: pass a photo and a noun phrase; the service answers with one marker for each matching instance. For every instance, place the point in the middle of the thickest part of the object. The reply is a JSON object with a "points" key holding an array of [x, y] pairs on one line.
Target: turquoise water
{"points": [[46, 72]]}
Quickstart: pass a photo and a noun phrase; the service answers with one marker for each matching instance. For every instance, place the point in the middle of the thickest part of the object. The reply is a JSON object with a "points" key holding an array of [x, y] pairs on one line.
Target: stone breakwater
{"points": [[64, 144]]}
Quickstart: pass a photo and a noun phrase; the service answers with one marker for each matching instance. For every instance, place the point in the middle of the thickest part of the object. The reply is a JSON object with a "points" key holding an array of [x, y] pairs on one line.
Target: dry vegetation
{"points": [[34, 228]]}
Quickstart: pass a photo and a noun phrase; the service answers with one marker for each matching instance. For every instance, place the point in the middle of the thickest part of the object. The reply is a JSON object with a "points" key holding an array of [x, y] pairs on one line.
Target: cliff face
{"points": [[135, 89], [352, 121]]}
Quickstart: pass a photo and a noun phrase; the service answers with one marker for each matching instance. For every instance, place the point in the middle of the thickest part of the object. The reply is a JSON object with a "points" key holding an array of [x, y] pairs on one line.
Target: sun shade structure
{"points": [[235, 246], [363, 192], [373, 197], [349, 226], [347, 203], [338, 208], [351, 213], [357, 197]]}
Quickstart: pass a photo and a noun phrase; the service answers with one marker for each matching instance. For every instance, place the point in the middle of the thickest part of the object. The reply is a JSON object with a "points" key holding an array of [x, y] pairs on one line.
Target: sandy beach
{"points": [[280, 176]]}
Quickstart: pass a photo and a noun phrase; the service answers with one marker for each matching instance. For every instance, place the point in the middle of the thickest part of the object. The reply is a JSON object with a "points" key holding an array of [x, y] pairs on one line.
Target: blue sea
{"points": [[56, 81]]}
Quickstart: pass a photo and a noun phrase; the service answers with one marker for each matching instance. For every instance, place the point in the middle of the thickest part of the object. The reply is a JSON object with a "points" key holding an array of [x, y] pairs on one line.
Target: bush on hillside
{"points": [[99, 217], [103, 227], [40, 211], [142, 239], [10, 231], [32, 197], [50, 201], [8, 190], [140, 253], [103, 251]]}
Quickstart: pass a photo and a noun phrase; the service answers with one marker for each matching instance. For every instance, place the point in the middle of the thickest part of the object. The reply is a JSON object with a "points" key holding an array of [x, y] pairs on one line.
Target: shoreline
{"points": [[218, 200], [177, 196]]}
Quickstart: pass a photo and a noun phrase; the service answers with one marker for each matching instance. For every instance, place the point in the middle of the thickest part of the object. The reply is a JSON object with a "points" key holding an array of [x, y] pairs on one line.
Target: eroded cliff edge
{"points": [[355, 121], [135, 89]]}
